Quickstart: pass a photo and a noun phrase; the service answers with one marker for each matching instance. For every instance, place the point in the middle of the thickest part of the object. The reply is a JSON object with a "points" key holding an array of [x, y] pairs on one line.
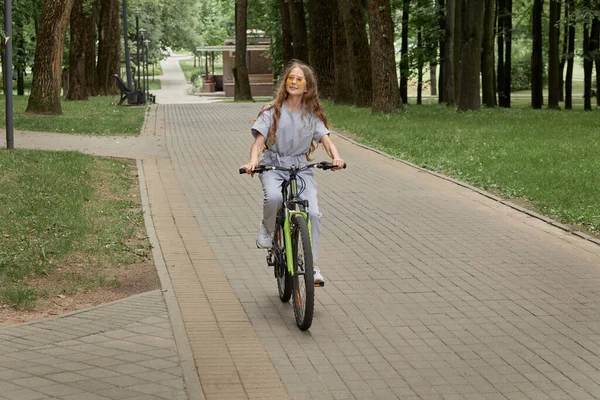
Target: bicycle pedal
{"points": [[270, 261], [319, 284]]}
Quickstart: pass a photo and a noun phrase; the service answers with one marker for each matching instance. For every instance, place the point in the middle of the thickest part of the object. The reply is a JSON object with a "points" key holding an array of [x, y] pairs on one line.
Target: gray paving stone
{"points": [[81, 367], [451, 284]]}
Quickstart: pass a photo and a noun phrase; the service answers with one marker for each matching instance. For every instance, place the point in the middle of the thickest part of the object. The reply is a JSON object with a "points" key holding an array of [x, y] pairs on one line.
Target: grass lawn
{"points": [[154, 84], [100, 115], [549, 158], [69, 223]]}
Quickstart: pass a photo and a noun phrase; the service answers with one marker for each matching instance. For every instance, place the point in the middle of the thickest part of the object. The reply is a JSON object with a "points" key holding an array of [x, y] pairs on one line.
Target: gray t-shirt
{"points": [[295, 131]]}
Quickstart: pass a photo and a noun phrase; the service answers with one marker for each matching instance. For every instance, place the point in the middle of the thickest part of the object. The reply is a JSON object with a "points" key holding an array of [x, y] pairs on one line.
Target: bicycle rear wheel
{"points": [[284, 279], [303, 279]]}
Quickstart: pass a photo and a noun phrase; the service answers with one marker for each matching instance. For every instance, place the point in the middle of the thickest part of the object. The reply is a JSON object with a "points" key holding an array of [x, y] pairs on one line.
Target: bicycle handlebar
{"points": [[262, 168]]}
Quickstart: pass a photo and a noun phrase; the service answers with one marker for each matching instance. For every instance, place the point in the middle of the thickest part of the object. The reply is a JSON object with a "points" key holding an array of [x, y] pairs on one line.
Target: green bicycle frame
{"points": [[287, 232]]}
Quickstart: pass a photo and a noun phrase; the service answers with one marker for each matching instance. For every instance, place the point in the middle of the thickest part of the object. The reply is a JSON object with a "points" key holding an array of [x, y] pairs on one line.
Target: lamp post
{"points": [[137, 46], [147, 69], [126, 42], [8, 86]]}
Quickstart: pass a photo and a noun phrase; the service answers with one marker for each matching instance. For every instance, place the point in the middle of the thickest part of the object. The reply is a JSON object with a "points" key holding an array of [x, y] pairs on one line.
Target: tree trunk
{"points": [[321, 46], [45, 88], [404, 68], [386, 96], [420, 66], [537, 65], [459, 16], [507, 54], [299, 35], [77, 83], [442, 47], [487, 56], [594, 46], [570, 61], [587, 62], [20, 82], [92, 20], [20, 42], [286, 32], [563, 57], [242, 86], [500, 74], [109, 47], [343, 93], [433, 79], [359, 51], [553, 57], [471, 55], [448, 77]]}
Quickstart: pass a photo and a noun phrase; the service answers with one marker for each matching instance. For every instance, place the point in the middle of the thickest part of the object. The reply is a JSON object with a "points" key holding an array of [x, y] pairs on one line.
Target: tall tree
{"points": [[459, 20], [321, 46], [564, 52], [386, 96], [286, 31], [501, 10], [472, 36], [359, 52], [570, 60], [487, 56], [537, 64], [553, 56], [343, 93], [92, 20], [442, 47], [299, 35], [448, 77], [507, 53], [240, 72], [504, 76], [109, 47], [595, 51], [404, 59], [77, 75], [46, 85], [587, 60]]}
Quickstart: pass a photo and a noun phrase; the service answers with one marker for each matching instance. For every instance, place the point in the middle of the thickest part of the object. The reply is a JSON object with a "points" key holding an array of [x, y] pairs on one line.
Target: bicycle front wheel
{"points": [[304, 290]]}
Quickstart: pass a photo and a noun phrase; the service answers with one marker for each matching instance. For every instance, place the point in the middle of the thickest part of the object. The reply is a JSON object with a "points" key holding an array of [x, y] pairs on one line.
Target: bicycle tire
{"points": [[303, 278], [282, 275]]}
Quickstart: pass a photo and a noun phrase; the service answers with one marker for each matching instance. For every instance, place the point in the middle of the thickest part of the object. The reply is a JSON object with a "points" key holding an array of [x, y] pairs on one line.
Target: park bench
{"points": [[131, 96]]}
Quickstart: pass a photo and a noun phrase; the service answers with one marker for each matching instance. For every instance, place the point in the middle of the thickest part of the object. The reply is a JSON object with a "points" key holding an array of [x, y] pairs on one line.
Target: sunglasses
{"points": [[299, 81]]}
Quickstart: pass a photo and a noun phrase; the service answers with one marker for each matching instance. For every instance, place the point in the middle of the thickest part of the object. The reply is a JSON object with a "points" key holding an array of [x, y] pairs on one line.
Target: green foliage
{"points": [[264, 15]]}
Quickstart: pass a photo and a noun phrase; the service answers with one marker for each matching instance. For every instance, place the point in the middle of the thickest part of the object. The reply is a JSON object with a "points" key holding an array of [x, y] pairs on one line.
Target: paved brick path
{"points": [[433, 290], [123, 350]]}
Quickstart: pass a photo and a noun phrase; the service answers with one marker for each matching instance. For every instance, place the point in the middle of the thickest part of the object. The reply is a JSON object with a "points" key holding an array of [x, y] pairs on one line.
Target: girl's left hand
{"points": [[339, 164]]}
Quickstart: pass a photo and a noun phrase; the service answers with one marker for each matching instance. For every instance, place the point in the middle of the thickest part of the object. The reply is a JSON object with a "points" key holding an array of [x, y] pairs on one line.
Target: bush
{"points": [[195, 76], [521, 74]]}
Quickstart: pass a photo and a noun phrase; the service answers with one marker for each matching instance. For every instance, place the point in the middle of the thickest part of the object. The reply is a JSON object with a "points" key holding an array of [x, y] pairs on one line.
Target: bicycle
{"points": [[291, 253]]}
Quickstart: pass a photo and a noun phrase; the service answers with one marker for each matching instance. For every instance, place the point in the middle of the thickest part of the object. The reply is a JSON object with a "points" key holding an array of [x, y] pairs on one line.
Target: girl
{"points": [[289, 129]]}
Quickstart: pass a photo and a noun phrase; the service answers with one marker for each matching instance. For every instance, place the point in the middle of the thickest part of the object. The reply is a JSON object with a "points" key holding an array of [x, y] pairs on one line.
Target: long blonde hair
{"points": [[310, 102]]}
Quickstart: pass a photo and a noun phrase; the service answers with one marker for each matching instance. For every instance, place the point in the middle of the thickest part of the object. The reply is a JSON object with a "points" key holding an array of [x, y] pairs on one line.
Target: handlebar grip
{"points": [[243, 171], [344, 167]]}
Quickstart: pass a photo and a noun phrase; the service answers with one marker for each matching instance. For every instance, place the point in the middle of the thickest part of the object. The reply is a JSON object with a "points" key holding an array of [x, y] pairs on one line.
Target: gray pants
{"points": [[272, 182]]}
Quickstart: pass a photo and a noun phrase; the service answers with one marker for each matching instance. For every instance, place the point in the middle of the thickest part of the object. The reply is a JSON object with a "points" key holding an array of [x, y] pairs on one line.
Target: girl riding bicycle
{"points": [[288, 130]]}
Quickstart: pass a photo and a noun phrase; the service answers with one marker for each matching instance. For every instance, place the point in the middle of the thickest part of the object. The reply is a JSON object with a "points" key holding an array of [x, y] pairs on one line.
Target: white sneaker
{"points": [[318, 278], [264, 239]]}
